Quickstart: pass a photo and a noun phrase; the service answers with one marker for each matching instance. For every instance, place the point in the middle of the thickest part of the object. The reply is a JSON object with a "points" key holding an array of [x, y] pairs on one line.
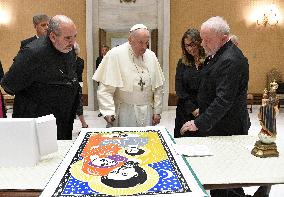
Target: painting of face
{"points": [[105, 169], [103, 162], [133, 149], [122, 173], [65, 41]]}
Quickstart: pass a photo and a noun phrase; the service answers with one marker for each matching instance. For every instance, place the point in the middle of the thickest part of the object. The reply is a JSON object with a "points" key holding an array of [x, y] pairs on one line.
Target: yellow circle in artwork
{"points": [[76, 171], [152, 179]]}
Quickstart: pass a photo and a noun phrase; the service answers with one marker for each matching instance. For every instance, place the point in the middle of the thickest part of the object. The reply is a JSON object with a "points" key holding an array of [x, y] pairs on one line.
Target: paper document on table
{"points": [[192, 150]]}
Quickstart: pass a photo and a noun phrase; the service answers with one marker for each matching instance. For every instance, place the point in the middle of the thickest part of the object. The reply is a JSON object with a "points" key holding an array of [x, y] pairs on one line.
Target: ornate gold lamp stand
{"points": [[266, 146]]}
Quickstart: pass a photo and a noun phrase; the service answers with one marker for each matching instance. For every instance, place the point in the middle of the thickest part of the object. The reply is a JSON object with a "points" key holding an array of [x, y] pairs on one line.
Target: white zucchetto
{"points": [[137, 26]]}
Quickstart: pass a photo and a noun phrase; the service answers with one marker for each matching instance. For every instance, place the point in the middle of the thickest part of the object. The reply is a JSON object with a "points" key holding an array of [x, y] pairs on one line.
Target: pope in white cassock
{"points": [[130, 91]]}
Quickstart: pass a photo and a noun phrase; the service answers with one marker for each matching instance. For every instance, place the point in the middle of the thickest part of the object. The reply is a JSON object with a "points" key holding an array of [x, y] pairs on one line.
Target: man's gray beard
{"points": [[212, 52], [209, 53], [66, 51]]}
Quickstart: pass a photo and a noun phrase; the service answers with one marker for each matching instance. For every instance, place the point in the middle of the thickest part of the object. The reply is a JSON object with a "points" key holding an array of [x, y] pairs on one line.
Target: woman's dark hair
{"points": [[194, 35]]}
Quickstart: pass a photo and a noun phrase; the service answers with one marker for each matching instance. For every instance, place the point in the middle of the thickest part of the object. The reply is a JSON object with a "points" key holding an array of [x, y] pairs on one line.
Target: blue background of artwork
{"points": [[168, 182]]}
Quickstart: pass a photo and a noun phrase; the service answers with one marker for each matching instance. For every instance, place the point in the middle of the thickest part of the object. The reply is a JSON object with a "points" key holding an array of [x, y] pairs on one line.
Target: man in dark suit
{"points": [[40, 22], [104, 50], [1, 71], [2, 104], [223, 92]]}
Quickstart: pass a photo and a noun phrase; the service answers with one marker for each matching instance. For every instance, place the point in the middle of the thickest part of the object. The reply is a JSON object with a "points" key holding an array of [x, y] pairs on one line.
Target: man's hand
{"points": [[196, 112], [109, 119], [156, 119], [188, 126]]}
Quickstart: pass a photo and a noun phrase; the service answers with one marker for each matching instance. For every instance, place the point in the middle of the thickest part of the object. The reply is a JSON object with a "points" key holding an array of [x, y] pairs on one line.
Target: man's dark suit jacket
{"points": [[222, 94], [2, 98], [1, 71], [27, 41], [98, 61], [79, 68]]}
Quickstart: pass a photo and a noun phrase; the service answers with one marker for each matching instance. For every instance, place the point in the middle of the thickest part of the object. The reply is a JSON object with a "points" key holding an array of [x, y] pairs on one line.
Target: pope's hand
{"points": [[109, 119], [156, 119]]}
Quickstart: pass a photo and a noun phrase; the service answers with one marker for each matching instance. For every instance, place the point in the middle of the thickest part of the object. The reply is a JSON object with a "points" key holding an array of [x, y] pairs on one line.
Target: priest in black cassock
{"points": [[43, 77]]}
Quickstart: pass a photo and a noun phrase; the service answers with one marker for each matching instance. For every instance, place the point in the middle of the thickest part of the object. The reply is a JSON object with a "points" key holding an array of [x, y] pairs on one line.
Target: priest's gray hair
{"points": [[216, 24], [54, 24]]}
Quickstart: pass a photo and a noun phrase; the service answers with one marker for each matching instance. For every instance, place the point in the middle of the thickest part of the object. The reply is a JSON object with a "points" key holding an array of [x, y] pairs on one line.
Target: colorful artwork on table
{"points": [[123, 162]]}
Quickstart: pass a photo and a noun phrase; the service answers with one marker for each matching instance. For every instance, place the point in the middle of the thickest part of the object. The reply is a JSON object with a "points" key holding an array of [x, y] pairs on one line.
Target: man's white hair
{"points": [[76, 48], [216, 24], [234, 39]]}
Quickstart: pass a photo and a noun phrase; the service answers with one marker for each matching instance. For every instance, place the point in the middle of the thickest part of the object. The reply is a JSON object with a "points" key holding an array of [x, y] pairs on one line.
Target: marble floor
{"points": [[168, 118]]}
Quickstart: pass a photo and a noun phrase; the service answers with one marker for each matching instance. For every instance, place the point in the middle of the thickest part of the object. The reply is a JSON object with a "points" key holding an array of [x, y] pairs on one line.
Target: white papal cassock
{"points": [[121, 92]]}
